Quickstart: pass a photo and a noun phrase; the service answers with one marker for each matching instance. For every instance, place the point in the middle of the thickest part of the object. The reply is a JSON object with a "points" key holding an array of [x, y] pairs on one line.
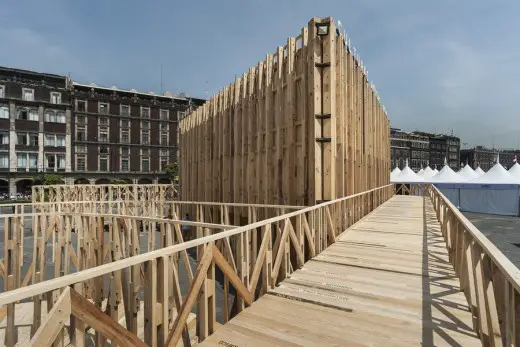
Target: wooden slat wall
{"points": [[302, 126]]}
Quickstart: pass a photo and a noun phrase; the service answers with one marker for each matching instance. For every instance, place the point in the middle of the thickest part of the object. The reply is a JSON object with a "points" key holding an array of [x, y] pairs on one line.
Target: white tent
{"points": [[467, 173], [394, 173], [498, 175], [495, 192], [515, 171], [406, 176], [420, 172], [435, 171], [427, 173], [479, 171], [446, 175]]}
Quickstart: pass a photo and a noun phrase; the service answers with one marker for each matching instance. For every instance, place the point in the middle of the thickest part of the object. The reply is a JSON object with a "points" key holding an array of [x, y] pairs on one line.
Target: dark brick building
{"points": [[84, 133], [486, 157], [421, 149]]}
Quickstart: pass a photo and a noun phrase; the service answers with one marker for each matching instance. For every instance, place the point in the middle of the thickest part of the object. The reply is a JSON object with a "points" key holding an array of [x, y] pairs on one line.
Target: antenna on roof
{"points": [[161, 79]]}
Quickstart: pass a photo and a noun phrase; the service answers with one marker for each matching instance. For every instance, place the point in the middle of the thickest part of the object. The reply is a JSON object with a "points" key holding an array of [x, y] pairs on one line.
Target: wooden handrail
{"points": [[67, 280], [165, 202], [499, 259]]}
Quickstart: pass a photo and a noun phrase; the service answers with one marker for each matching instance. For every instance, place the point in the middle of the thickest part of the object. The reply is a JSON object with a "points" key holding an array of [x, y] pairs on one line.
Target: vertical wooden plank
{"points": [[150, 303], [314, 128], [163, 291]]}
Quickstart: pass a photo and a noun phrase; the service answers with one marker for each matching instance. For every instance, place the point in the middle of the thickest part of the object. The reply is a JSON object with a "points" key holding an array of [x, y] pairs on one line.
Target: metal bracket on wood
{"points": [[323, 139], [322, 65], [323, 116]]}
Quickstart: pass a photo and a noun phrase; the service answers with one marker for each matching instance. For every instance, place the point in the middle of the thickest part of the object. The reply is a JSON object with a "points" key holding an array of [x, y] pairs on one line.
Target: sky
{"points": [[439, 66]]}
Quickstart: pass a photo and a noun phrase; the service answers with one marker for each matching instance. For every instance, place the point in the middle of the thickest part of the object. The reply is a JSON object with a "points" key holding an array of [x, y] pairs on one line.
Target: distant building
{"points": [[422, 149], [486, 157], [83, 133], [399, 148]]}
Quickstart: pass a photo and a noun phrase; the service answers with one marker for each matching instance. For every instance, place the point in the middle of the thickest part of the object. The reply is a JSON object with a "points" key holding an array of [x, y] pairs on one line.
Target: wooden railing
{"points": [[417, 189], [54, 224], [487, 277], [253, 258]]}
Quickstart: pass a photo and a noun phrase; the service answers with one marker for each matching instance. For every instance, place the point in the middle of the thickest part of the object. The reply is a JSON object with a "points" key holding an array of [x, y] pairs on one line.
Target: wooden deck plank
{"points": [[387, 281]]}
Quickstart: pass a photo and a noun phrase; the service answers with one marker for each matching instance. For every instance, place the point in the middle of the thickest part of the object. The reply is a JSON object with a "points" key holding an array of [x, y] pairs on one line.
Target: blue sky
{"points": [[438, 65]]}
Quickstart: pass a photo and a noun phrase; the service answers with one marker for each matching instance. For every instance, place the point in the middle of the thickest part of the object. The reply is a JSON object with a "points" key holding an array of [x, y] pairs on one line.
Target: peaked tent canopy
{"points": [[479, 171], [446, 175], [427, 173], [497, 174], [407, 176], [515, 171], [394, 173], [467, 173]]}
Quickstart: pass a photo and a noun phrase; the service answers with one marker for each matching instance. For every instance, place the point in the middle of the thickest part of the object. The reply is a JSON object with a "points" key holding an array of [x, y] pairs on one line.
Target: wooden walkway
{"points": [[385, 282]]}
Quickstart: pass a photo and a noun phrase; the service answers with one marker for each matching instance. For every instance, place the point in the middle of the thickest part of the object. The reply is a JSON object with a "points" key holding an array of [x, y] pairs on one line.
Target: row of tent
{"points": [[494, 192], [496, 175]]}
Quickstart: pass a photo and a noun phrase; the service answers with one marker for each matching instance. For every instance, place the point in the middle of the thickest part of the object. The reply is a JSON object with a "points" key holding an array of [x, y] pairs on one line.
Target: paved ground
{"points": [[502, 231]]}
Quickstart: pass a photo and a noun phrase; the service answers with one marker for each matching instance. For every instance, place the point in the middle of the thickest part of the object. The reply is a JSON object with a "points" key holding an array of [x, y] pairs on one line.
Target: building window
{"points": [[28, 94], [145, 159], [80, 119], [164, 138], [125, 123], [4, 112], [103, 108], [22, 139], [125, 159], [53, 116], [55, 98], [103, 121], [145, 137], [103, 149], [81, 133], [103, 163], [33, 139], [125, 135], [81, 106], [21, 160], [2, 92], [164, 114], [145, 112], [181, 115], [50, 161], [145, 125], [60, 158], [4, 160], [4, 138], [27, 114], [125, 110], [125, 164], [81, 149], [145, 164], [27, 160], [81, 162], [164, 158], [55, 140], [103, 134], [27, 139]]}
